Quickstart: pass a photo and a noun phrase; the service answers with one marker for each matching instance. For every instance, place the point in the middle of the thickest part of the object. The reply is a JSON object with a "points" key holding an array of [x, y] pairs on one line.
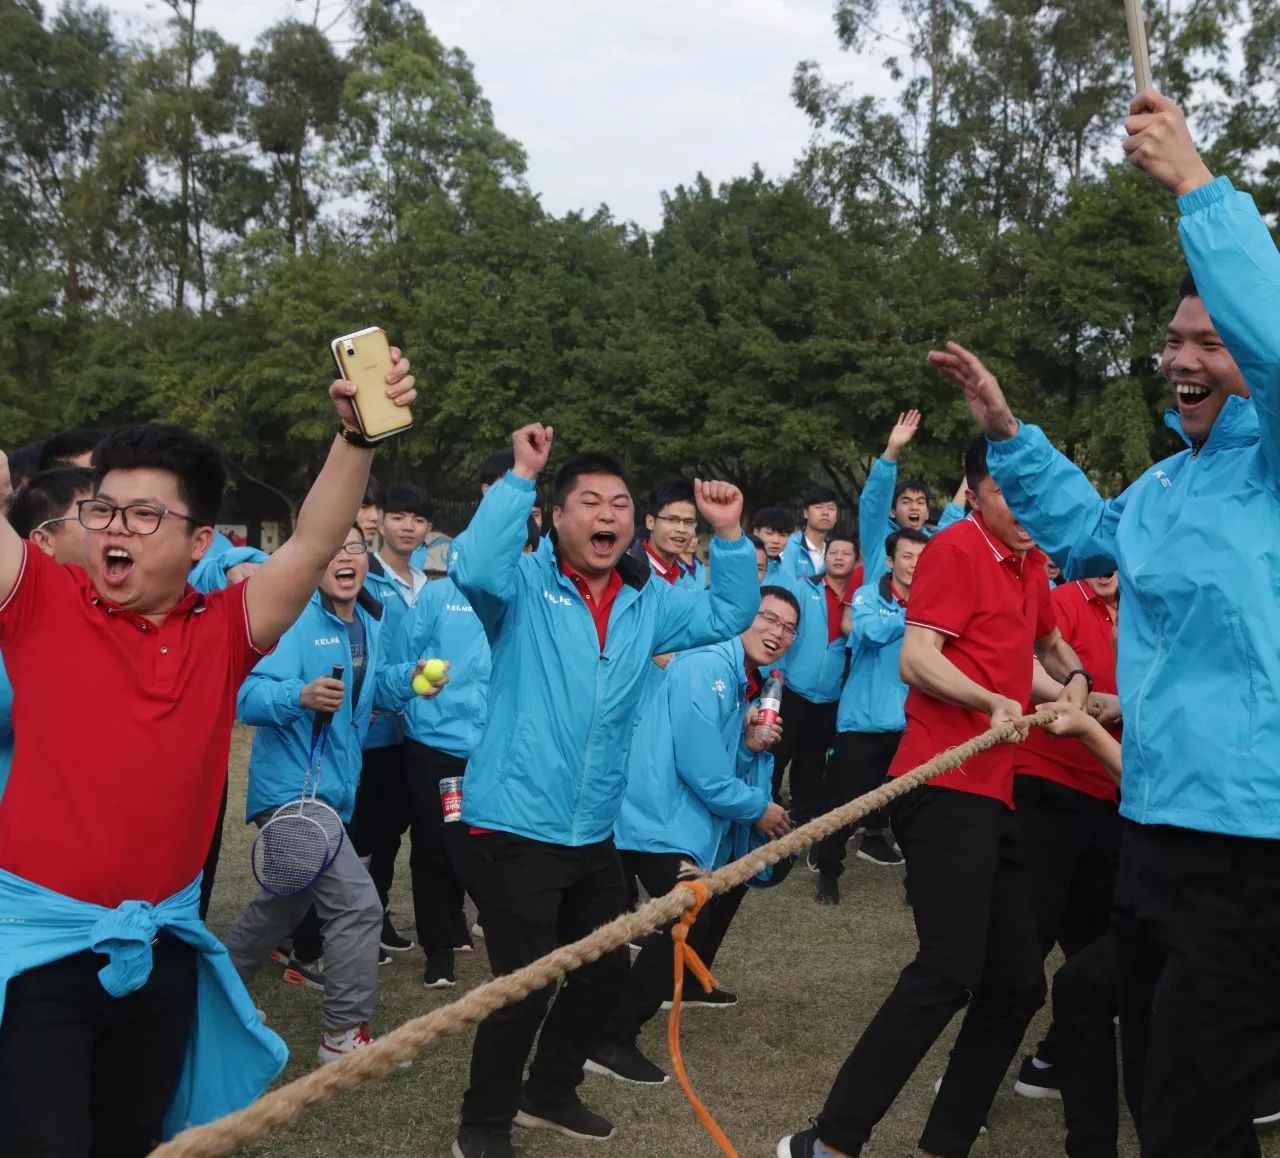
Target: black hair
{"points": [[975, 462], [912, 484], [676, 490], [774, 519], [495, 466], [533, 534], [23, 463], [757, 543], [190, 457], [906, 535], [375, 494], [60, 449], [820, 494], [567, 478], [1187, 288], [405, 498], [47, 495], [787, 597], [840, 535]]}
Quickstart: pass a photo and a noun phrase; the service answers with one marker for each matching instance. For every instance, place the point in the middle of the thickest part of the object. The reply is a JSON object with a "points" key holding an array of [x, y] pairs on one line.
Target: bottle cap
{"points": [[775, 674]]}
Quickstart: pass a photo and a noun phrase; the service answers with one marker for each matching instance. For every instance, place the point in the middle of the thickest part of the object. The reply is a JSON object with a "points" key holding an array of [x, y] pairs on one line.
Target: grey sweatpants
{"points": [[350, 923]]}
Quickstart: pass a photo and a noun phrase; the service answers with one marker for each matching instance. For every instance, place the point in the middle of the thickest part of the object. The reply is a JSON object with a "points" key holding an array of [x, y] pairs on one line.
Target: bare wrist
{"points": [[1200, 176], [1003, 427]]}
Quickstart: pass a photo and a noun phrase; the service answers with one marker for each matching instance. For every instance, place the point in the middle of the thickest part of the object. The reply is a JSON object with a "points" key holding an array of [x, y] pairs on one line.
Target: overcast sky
{"points": [[617, 100]]}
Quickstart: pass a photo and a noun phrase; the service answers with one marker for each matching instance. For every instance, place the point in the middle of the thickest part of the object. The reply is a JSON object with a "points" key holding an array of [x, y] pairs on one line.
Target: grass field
{"points": [[808, 979]]}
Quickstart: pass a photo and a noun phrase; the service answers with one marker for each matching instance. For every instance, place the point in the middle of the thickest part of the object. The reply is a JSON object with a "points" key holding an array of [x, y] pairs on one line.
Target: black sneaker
{"points": [[572, 1119], [384, 958], [391, 941], [801, 1145], [878, 850], [439, 971], [483, 1142], [624, 1062], [828, 890], [1267, 1107], [1035, 1081], [698, 998]]}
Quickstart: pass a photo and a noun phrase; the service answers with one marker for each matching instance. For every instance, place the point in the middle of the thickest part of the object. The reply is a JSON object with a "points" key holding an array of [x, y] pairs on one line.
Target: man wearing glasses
{"points": [[104, 825], [673, 529]]}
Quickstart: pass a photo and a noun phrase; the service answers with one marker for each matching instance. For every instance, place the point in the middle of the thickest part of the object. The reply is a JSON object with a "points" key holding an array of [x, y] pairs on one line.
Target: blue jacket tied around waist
{"points": [[551, 765], [231, 1056], [1197, 544]]}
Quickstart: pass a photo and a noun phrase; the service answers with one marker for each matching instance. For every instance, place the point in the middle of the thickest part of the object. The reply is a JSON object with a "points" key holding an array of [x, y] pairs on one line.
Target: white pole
{"points": [[1138, 43]]}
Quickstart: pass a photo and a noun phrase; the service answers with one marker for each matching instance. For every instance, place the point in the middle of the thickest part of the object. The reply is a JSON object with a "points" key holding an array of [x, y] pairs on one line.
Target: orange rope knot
{"points": [[686, 957]]}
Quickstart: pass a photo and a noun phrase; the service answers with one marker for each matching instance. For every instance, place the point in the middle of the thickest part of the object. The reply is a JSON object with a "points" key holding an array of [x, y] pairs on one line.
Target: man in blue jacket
{"points": [[871, 716], [692, 776], [887, 505], [1196, 546], [573, 628], [805, 554], [342, 626]]}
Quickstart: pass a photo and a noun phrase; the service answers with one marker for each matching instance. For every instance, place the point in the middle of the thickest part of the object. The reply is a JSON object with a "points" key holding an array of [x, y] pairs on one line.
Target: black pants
{"points": [[971, 900], [1197, 919], [807, 732], [533, 897], [859, 764], [85, 1074], [1085, 1001], [436, 847], [211, 861], [1072, 843], [650, 981], [381, 815]]}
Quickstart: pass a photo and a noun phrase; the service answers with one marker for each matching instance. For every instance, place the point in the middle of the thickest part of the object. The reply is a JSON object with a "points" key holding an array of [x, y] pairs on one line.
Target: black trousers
{"points": [[1197, 920], [971, 900], [533, 897], [859, 764], [1085, 1002], [381, 815], [651, 979], [436, 848], [215, 854], [808, 730], [86, 1075], [1072, 844]]}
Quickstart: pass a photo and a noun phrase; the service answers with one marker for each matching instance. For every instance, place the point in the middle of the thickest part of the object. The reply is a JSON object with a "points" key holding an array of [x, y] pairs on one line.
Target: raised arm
{"points": [[276, 594], [875, 504]]}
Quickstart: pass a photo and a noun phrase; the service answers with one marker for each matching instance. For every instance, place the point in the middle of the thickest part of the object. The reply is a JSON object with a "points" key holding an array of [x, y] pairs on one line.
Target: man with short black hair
{"points": [[773, 527], [369, 520], [806, 550], [71, 447], [672, 525], [45, 512]]}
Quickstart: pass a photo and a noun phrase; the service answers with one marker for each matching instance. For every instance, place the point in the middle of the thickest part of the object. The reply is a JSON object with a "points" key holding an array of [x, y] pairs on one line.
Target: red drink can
{"points": [[451, 798]]}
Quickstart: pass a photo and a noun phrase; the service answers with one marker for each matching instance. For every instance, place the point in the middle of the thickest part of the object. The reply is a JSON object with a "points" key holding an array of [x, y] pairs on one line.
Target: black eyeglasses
{"points": [[679, 521], [776, 621], [352, 549], [136, 518]]}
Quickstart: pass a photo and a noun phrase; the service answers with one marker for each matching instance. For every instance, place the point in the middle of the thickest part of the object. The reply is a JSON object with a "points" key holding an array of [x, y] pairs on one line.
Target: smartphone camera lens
{"points": [[351, 350]]}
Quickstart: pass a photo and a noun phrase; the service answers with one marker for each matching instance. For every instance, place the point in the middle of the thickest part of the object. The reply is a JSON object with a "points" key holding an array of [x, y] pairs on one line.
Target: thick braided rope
{"points": [[286, 1104]]}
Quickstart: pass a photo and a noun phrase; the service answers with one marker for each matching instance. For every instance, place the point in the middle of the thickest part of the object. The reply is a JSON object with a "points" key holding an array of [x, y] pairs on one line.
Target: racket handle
{"points": [[322, 718]]}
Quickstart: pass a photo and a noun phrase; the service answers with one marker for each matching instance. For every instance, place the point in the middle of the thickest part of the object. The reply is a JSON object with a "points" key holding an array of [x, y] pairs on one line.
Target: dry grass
{"points": [[809, 979]]}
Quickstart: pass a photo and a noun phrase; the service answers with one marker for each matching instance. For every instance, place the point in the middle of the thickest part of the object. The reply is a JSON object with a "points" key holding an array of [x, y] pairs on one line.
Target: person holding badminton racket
{"points": [[122, 1018], [312, 702]]}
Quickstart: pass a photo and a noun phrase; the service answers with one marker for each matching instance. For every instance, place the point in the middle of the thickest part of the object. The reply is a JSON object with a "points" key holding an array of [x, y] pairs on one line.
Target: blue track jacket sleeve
{"points": [[1237, 271], [486, 556], [690, 617], [702, 761], [271, 694], [875, 505], [950, 514], [417, 627], [872, 628], [393, 686]]}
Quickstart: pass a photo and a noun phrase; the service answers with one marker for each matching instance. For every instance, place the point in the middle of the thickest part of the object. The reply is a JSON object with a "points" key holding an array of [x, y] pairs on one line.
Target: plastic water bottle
{"points": [[770, 707]]}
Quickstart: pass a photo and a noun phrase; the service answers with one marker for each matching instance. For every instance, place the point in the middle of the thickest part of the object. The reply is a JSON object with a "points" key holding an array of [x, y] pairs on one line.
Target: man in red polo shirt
{"points": [[125, 684], [979, 610]]}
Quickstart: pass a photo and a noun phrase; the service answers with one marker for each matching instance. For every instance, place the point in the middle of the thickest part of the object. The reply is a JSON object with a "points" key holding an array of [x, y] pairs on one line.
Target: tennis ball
{"points": [[434, 670], [421, 685]]}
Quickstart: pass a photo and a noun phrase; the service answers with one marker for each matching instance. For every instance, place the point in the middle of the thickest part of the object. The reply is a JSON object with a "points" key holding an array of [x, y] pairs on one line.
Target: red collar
{"points": [[1001, 551], [668, 571], [191, 601]]}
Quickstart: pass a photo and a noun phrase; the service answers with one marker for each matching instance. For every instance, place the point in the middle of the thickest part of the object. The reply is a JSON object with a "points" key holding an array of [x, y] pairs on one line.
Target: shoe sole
{"points": [[398, 948], [592, 1067], [784, 1147], [464, 948], [293, 977], [529, 1122], [440, 984], [1267, 1119], [1042, 1092], [477, 931], [876, 860], [687, 1004]]}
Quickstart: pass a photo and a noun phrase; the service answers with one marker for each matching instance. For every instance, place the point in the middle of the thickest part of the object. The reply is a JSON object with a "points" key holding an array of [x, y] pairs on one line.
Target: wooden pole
{"points": [[1138, 43]]}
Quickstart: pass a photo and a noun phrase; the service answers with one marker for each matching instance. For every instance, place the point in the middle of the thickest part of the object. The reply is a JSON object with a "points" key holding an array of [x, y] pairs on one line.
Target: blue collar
{"points": [[1235, 426]]}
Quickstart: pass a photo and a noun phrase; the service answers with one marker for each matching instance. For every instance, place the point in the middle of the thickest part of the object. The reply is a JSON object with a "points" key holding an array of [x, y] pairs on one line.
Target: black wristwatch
{"points": [[1088, 679], [355, 438]]}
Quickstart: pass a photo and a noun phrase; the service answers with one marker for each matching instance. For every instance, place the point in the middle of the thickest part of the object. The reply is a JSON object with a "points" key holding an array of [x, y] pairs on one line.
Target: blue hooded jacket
{"points": [[794, 560], [1197, 544], [443, 625], [387, 728], [875, 524], [874, 696], [813, 666], [686, 776], [552, 762], [210, 574], [270, 699]]}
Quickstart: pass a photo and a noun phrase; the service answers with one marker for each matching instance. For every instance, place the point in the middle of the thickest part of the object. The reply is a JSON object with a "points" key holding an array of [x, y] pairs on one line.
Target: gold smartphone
{"points": [[365, 359]]}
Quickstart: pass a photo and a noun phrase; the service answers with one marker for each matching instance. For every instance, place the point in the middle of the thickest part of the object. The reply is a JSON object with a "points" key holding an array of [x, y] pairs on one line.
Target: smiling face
{"points": [[146, 573], [771, 632], [1200, 371], [673, 529], [595, 525], [903, 564], [404, 532], [989, 501], [911, 509], [346, 572]]}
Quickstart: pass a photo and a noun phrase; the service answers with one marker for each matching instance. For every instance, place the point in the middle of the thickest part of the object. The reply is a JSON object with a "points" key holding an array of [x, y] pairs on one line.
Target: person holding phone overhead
{"points": [[104, 825]]}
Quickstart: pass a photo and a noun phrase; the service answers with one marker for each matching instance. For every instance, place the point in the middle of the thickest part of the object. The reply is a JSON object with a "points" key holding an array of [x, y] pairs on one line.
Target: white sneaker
{"points": [[476, 931], [337, 1045]]}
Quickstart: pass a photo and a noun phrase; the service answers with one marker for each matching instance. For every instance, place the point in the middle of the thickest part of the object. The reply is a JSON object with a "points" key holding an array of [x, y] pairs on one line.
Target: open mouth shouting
{"points": [[770, 647], [345, 579], [603, 544], [117, 563], [1191, 396]]}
